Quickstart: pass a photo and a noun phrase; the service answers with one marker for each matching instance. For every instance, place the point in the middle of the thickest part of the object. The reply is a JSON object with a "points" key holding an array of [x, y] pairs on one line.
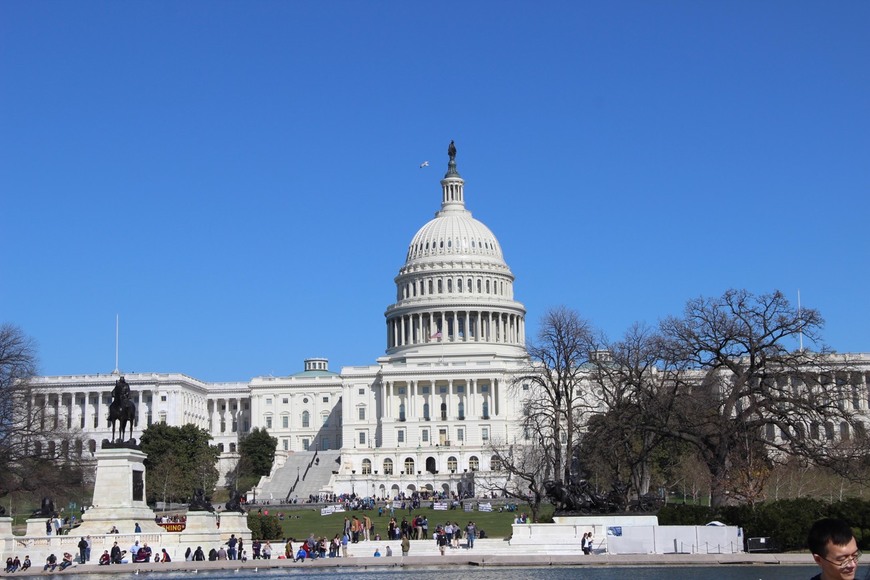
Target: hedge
{"points": [[786, 522]]}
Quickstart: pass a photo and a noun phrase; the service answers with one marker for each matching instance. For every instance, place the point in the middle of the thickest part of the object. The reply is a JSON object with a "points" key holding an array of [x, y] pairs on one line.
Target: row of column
{"points": [[457, 326], [225, 414], [477, 403], [87, 410]]}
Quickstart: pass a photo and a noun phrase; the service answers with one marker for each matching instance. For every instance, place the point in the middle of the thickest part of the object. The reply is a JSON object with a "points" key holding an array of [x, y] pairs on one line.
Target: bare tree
{"points": [[519, 471], [733, 378], [33, 439], [556, 406], [625, 375]]}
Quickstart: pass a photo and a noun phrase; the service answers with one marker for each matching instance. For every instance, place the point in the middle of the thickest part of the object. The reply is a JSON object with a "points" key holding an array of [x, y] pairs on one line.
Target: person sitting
{"points": [[301, 554], [26, 564], [105, 559], [377, 553], [165, 555], [16, 564], [67, 561], [9, 564], [50, 563]]}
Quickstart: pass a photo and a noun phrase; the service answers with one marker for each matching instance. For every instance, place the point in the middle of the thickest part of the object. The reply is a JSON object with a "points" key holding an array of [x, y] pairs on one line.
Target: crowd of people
{"points": [[15, 564]]}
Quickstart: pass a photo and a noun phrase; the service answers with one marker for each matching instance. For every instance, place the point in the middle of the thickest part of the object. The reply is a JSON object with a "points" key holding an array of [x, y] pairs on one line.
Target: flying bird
{"points": [[424, 164]]}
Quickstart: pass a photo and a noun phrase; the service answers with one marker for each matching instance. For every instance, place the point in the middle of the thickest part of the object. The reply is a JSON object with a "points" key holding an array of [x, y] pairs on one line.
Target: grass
{"points": [[299, 521]]}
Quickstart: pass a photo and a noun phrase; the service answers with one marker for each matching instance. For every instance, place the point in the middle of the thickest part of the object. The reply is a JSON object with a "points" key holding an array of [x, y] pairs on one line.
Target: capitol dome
{"points": [[455, 290]]}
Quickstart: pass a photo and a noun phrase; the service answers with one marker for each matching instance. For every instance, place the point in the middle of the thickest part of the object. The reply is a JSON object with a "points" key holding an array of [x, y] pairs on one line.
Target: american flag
{"points": [[436, 335]]}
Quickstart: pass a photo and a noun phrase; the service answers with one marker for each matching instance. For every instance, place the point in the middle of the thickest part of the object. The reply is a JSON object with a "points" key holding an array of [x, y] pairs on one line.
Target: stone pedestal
{"points": [[119, 495], [36, 527], [235, 523], [201, 529]]}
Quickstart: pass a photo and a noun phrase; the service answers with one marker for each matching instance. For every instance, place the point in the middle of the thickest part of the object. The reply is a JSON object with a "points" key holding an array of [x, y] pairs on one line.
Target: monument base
{"points": [[119, 495]]}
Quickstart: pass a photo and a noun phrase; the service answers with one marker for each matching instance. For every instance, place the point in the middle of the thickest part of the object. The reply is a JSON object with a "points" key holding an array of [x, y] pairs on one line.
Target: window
{"points": [[451, 464], [526, 387], [388, 467], [484, 433], [443, 411], [268, 422], [461, 408], [325, 418], [286, 444], [285, 422], [424, 435], [362, 413], [163, 398], [362, 391], [426, 411], [325, 399], [285, 400], [232, 447], [268, 400], [442, 389], [306, 419], [495, 463], [162, 418], [306, 444], [484, 388], [366, 466], [473, 463], [400, 435], [362, 437], [401, 411], [425, 390], [460, 434], [401, 390], [460, 388], [485, 408], [409, 465]]}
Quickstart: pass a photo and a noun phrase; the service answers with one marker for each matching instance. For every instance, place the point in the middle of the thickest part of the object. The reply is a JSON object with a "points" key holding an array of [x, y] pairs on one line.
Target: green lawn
{"points": [[299, 522]]}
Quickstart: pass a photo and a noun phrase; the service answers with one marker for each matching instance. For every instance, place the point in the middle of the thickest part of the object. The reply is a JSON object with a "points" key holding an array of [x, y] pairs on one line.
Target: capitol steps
{"points": [[314, 473]]}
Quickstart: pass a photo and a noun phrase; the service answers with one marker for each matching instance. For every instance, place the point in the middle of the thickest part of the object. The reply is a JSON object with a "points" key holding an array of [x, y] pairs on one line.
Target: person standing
{"points": [[834, 549], [406, 545], [470, 534], [231, 544], [83, 546]]}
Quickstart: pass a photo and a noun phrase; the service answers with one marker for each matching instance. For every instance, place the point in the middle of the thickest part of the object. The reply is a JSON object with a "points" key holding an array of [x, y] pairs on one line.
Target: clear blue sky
{"points": [[240, 180]]}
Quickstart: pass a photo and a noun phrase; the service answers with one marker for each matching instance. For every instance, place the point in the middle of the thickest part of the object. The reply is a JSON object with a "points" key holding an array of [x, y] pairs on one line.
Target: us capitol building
{"points": [[420, 418]]}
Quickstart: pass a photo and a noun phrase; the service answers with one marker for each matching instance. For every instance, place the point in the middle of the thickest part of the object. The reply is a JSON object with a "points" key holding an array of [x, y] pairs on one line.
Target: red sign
{"points": [[173, 527]]}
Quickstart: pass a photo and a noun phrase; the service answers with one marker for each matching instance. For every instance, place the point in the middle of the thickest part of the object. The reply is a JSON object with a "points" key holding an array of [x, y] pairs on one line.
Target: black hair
{"points": [[827, 530]]}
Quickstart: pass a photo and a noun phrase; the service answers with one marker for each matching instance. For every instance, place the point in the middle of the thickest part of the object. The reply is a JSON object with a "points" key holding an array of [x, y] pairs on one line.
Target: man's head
{"points": [[834, 549]]}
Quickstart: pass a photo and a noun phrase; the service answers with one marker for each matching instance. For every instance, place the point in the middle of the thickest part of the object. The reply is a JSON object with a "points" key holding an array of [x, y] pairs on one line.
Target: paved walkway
{"points": [[454, 557]]}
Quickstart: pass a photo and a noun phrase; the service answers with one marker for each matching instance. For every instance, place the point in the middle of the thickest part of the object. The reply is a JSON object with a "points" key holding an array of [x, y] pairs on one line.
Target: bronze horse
{"points": [[122, 410]]}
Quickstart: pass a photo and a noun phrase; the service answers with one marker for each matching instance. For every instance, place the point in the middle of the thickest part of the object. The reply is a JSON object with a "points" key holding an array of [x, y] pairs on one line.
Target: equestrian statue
{"points": [[122, 410]]}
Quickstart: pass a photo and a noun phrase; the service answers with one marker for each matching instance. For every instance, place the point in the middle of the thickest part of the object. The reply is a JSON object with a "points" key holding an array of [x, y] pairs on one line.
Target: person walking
{"points": [[406, 545]]}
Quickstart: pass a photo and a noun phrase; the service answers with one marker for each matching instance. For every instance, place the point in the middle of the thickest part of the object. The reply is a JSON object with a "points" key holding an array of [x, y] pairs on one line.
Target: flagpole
{"points": [[801, 333], [117, 371]]}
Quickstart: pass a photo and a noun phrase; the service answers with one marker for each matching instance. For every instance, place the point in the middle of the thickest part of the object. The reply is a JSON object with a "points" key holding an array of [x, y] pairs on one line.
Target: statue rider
{"points": [[121, 393]]}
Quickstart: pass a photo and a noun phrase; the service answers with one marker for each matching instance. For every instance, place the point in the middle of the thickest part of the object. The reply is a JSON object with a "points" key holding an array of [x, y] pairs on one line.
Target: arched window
{"points": [[459, 285], [461, 408], [220, 447], [426, 411], [449, 285], [844, 431], [473, 463], [388, 467], [366, 466], [306, 419], [443, 411], [485, 408], [451, 464], [495, 463], [232, 447], [409, 465], [402, 411]]}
